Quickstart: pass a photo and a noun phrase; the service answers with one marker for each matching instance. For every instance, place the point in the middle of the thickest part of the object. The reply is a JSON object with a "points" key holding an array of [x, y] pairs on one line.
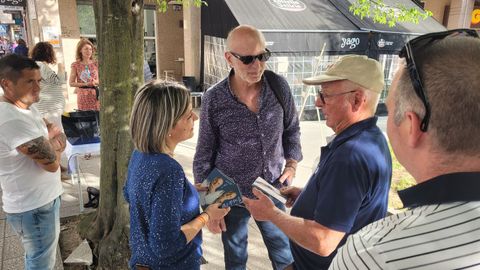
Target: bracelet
{"points": [[202, 219], [206, 214], [290, 166]]}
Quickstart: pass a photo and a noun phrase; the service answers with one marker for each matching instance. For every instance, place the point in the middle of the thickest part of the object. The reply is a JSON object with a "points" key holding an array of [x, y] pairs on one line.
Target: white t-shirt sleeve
{"points": [[17, 132]]}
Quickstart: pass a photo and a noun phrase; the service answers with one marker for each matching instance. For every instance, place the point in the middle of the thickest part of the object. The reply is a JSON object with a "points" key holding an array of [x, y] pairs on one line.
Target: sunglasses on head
{"points": [[413, 49], [248, 59]]}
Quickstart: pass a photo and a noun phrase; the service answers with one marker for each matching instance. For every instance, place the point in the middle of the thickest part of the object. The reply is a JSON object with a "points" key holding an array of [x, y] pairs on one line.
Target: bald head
{"points": [[244, 35]]}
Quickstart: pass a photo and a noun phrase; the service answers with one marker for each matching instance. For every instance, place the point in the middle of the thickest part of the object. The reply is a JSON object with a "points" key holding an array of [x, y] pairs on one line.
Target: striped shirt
{"points": [[51, 93], [441, 230]]}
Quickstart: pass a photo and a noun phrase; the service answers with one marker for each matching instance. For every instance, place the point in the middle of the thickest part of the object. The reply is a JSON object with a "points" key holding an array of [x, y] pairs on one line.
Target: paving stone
{"points": [[9, 231], [12, 248], [81, 255], [14, 263]]}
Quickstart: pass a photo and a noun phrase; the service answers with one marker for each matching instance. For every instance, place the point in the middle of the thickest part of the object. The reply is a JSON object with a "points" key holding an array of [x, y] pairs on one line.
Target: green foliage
{"points": [[401, 179], [384, 14], [163, 4], [403, 183]]}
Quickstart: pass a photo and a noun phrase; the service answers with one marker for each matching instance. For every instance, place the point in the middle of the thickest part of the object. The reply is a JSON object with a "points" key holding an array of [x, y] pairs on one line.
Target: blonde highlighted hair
{"points": [[157, 108]]}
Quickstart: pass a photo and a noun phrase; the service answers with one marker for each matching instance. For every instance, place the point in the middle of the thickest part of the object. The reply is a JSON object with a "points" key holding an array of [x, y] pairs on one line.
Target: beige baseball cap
{"points": [[359, 69]]}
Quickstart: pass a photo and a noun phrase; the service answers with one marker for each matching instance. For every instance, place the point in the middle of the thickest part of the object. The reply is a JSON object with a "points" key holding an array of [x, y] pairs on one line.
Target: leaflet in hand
{"points": [[221, 189], [269, 190]]}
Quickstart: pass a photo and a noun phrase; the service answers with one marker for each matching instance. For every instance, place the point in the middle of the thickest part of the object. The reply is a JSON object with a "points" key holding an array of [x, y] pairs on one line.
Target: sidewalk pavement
{"points": [[313, 135]]}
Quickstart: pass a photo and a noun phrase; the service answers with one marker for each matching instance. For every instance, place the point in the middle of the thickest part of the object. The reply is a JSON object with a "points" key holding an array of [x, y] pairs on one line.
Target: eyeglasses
{"points": [[248, 59], [323, 96], [411, 52]]}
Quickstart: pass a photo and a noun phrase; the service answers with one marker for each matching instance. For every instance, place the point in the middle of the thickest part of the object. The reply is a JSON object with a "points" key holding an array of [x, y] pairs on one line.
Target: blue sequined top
{"points": [[161, 200]]}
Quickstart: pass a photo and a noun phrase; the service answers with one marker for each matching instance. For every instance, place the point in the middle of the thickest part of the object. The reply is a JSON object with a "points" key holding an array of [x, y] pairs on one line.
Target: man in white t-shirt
{"points": [[30, 150]]}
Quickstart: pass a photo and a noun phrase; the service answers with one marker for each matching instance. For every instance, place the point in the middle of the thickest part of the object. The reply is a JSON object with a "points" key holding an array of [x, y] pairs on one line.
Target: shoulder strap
{"points": [[277, 91]]}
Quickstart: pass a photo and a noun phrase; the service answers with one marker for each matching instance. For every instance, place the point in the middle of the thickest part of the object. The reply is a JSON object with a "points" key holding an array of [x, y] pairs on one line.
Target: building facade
{"points": [[172, 39], [455, 13]]}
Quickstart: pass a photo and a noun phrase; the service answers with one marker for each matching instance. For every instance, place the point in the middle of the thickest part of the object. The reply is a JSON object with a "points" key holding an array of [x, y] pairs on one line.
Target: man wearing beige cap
{"points": [[349, 188]]}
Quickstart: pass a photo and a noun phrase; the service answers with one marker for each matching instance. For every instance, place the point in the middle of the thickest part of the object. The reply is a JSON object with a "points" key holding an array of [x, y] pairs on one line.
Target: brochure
{"points": [[269, 190], [221, 189]]}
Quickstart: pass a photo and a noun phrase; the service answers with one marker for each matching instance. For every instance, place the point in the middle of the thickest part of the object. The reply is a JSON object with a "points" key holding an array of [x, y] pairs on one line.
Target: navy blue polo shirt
{"points": [[349, 188]]}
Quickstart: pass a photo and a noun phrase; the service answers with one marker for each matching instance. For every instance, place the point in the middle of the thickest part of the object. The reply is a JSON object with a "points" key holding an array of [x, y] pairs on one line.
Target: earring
{"points": [[169, 135]]}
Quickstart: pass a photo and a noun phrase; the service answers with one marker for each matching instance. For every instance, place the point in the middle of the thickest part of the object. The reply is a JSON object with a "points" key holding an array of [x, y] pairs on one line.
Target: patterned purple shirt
{"points": [[243, 144]]}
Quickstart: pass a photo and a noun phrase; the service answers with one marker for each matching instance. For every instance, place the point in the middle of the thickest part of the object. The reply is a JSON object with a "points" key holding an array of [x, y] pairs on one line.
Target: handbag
{"points": [[81, 127]]}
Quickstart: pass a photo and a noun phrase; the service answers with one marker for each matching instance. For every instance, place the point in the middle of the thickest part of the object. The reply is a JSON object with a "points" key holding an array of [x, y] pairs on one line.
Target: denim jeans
{"points": [[39, 231], [235, 240]]}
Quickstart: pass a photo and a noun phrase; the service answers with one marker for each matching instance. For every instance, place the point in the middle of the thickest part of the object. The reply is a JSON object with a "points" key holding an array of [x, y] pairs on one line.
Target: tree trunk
{"points": [[119, 27]]}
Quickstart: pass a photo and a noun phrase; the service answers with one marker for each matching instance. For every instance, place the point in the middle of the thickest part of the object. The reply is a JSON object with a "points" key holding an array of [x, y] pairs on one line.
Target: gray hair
{"points": [[451, 81], [372, 100], [371, 96], [158, 106]]}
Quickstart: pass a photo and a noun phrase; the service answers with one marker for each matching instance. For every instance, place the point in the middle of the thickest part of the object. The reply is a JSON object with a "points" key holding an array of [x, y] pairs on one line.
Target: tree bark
{"points": [[119, 27]]}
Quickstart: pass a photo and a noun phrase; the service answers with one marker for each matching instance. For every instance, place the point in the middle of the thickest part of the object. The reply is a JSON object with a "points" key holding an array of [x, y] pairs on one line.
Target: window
{"points": [[86, 19], [149, 20]]}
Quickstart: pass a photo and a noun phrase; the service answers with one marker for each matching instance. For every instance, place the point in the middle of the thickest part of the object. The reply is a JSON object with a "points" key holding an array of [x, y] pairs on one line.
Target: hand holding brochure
{"points": [[269, 190], [221, 189]]}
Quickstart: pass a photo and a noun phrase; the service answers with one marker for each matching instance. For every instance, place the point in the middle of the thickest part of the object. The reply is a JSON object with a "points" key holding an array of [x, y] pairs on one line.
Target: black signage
{"points": [[14, 3]]}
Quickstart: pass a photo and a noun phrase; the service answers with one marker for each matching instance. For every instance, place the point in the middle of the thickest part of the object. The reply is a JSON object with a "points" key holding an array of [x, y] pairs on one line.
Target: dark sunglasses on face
{"points": [[413, 49], [248, 59]]}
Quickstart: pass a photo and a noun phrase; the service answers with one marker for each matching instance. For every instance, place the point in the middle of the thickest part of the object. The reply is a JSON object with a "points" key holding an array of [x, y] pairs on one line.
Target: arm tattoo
{"points": [[40, 149]]}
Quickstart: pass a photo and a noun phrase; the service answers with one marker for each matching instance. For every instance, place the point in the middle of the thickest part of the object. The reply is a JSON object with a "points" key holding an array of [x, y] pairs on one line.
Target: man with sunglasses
{"points": [[349, 188], [434, 129], [247, 132]]}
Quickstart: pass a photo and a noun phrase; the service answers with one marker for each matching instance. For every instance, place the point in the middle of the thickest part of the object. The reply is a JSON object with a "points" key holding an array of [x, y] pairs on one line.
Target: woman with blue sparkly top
{"points": [[165, 220]]}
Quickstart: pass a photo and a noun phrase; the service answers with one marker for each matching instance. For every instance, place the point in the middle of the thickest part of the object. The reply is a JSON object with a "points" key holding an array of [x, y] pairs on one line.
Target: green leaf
{"points": [[163, 4], [379, 12]]}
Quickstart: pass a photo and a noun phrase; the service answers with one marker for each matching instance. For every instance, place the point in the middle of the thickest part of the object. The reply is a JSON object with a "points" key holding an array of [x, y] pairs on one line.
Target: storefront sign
{"points": [[350, 43], [289, 5], [382, 43], [16, 3], [51, 35], [476, 17]]}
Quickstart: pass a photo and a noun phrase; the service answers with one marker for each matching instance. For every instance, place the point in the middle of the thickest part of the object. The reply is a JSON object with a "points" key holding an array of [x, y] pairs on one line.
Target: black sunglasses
{"points": [[248, 59], [412, 50]]}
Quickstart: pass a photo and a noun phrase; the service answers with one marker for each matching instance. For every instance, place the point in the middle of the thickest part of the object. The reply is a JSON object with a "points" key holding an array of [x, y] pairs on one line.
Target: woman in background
{"points": [[52, 101], [165, 221], [84, 76], [21, 48]]}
